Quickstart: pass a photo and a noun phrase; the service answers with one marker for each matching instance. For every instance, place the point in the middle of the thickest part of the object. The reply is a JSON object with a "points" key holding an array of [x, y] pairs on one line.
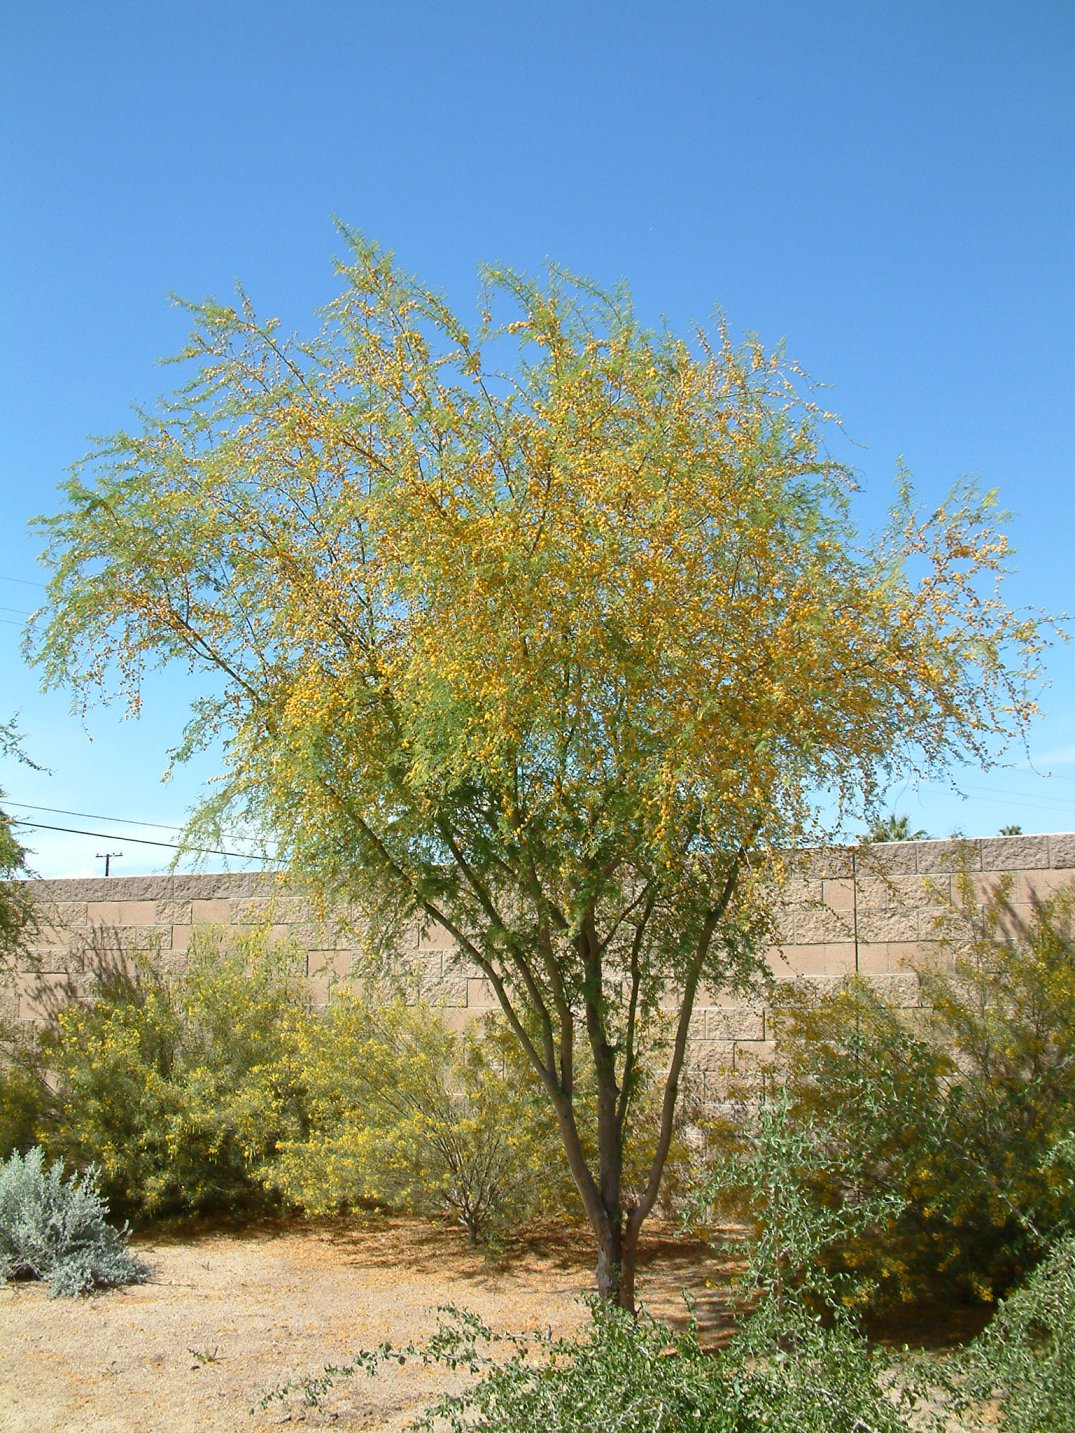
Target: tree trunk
{"points": [[617, 1260]]}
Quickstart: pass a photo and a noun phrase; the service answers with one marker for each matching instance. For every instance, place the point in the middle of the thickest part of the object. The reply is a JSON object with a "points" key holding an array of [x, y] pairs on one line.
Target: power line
{"points": [[95, 816], [115, 820], [23, 582], [143, 841]]}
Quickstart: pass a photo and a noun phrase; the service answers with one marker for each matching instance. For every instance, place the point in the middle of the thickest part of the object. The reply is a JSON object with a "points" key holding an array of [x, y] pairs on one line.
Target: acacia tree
{"points": [[548, 630]]}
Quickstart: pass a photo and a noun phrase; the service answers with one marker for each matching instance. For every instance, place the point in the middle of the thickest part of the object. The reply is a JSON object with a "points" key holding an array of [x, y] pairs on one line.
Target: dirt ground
{"points": [[228, 1315]]}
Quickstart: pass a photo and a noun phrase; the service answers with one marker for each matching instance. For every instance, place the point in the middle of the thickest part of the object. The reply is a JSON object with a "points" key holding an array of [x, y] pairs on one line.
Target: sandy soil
{"points": [[227, 1316]]}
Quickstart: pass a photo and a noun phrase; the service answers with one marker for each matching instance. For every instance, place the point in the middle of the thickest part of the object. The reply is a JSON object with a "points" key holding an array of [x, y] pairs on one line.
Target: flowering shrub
{"points": [[406, 1113], [178, 1085], [950, 1112]]}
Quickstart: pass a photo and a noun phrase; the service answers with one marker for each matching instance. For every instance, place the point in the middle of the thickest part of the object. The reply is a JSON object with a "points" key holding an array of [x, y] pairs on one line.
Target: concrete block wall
{"points": [[841, 911]]}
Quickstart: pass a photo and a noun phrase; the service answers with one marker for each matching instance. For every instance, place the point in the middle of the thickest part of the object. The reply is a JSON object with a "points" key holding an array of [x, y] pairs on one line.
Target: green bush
{"points": [[1025, 1359], [215, 1089], [178, 1086], [950, 1112], [406, 1113], [57, 1230], [630, 1375], [26, 1103]]}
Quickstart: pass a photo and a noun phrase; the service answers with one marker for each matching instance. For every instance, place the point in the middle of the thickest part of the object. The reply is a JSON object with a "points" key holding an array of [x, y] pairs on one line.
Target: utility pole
{"points": [[108, 857]]}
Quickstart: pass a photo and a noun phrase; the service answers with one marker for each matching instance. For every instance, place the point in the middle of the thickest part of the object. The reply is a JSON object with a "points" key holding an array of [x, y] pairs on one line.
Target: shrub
{"points": [[178, 1085], [951, 1111], [629, 1375], [1006, 1008], [26, 1104], [404, 1112], [1026, 1356], [57, 1230]]}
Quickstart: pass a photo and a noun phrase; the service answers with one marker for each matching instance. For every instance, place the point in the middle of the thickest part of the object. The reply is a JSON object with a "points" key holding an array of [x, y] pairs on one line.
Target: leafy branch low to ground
{"points": [[786, 1371]]}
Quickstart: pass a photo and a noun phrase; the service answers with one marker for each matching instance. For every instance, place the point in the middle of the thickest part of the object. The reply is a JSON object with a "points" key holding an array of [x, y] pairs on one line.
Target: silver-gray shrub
{"points": [[56, 1229]]}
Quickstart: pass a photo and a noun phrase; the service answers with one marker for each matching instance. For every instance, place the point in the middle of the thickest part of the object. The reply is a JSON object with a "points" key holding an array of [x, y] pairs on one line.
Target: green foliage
{"points": [[1005, 1005], [951, 1112], [27, 1107], [1026, 1357], [57, 1229], [630, 1375], [404, 1112], [782, 1165], [16, 901], [177, 1084], [869, 1146]]}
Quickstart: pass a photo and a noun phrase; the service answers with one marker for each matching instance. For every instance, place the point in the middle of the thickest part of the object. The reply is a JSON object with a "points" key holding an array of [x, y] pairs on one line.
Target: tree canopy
{"points": [[546, 628]]}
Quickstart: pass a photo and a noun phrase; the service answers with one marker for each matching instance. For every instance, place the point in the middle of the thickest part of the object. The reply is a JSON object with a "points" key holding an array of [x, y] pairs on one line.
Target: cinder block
{"points": [[831, 959], [63, 915], [450, 990], [899, 987], [103, 913], [717, 995], [1014, 853], [889, 858], [174, 912], [481, 995], [711, 1055], [41, 997], [778, 961], [1062, 851], [876, 957], [319, 961], [815, 986], [56, 959], [1029, 885], [954, 855], [210, 912], [181, 937], [435, 937], [786, 921], [752, 1054], [823, 862], [838, 894], [459, 1019], [876, 893], [894, 924], [731, 1024], [818, 925]]}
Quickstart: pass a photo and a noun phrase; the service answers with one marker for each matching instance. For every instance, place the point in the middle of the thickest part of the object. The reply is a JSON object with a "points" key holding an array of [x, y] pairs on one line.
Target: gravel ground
{"points": [[227, 1315]]}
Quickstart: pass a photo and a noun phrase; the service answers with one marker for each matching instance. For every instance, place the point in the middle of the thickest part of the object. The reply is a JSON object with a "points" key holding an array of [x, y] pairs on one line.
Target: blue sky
{"points": [[890, 188]]}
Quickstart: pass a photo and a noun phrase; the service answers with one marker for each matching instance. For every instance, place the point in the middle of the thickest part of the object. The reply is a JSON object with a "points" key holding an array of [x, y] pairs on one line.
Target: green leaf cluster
{"points": [[942, 1122]]}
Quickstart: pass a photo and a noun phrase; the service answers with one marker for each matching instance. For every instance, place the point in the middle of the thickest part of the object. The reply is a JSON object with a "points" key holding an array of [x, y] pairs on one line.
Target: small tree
{"points": [[550, 649]]}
